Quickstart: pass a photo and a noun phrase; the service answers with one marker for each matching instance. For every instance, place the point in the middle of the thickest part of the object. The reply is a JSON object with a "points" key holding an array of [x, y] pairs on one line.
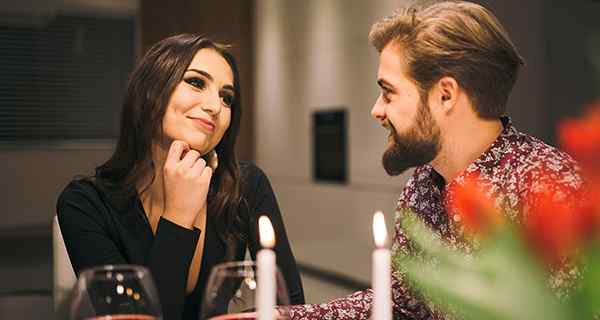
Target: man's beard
{"points": [[419, 145]]}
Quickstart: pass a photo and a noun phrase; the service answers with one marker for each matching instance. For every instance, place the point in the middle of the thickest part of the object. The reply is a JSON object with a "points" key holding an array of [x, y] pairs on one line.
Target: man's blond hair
{"points": [[459, 39]]}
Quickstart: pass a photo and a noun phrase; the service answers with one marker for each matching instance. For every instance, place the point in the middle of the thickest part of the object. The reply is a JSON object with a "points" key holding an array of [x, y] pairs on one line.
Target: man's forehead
{"points": [[392, 55], [391, 66]]}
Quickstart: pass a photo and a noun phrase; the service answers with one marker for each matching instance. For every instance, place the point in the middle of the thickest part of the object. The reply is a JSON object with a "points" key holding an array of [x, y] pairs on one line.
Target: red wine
{"points": [[240, 316], [124, 317], [236, 316]]}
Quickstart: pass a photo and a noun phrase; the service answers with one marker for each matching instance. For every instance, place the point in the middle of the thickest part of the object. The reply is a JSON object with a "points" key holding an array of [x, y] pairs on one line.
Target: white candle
{"points": [[382, 273], [266, 266]]}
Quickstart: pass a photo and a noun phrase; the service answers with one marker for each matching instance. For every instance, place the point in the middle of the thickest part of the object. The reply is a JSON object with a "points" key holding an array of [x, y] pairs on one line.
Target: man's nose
{"points": [[378, 111]]}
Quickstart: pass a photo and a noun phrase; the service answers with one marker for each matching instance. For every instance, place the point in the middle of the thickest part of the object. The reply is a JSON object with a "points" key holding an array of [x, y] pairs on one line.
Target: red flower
{"points": [[556, 228], [592, 207], [471, 206], [581, 138]]}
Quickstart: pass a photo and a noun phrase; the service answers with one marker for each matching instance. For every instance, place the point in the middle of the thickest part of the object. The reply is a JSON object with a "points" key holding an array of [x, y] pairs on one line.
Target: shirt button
{"points": [[456, 218]]}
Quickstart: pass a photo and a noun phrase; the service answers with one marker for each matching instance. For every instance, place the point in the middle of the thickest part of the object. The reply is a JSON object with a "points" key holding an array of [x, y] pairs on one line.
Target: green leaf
{"points": [[586, 299], [429, 242], [502, 282]]}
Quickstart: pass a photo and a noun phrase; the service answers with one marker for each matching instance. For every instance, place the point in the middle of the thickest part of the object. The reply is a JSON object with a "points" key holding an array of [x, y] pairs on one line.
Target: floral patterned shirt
{"points": [[515, 166]]}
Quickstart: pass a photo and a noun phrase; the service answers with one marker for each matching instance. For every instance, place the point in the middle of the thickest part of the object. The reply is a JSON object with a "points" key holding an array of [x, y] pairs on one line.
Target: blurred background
{"points": [[308, 83]]}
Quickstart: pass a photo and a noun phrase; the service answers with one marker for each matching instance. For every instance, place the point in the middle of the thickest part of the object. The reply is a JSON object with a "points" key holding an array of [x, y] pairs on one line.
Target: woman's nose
{"points": [[212, 105]]}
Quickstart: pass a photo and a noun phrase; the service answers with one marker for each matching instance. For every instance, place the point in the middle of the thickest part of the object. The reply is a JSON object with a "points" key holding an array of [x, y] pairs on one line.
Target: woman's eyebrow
{"points": [[204, 73], [209, 77]]}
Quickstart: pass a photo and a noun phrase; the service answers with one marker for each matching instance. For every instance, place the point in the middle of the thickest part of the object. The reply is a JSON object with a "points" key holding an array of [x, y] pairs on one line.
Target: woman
{"points": [[156, 201]]}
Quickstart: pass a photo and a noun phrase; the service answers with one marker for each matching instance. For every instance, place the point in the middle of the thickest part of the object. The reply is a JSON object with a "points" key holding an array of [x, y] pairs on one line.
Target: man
{"points": [[445, 73]]}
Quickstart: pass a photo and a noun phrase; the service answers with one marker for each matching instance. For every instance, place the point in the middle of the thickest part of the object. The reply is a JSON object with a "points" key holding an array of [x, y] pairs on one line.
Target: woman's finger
{"points": [[190, 158], [175, 152]]}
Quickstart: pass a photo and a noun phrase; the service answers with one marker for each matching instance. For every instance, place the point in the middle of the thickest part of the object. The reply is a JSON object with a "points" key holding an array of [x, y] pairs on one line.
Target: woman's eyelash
{"points": [[200, 83], [196, 82], [227, 99]]}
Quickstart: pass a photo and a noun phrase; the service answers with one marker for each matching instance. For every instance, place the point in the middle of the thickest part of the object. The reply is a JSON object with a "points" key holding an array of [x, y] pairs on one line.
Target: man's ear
{"points": [[447, 93]]}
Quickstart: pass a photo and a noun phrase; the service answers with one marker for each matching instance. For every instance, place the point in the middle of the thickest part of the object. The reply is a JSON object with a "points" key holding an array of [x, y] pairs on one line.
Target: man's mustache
{"points": [[389, 126]]}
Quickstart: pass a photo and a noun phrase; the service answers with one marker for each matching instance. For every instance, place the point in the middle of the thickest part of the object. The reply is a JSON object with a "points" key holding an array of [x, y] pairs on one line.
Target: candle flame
{"points": [[379, 229], [266, 233]]}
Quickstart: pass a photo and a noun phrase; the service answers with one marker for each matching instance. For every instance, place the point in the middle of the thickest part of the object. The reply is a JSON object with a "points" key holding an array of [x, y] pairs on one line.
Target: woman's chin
{"points": [[202, 149], [199, 144]]}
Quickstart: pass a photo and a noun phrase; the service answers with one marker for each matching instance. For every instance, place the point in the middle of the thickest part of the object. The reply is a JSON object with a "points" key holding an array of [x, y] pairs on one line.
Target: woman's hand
{"points": [[186, 179]]}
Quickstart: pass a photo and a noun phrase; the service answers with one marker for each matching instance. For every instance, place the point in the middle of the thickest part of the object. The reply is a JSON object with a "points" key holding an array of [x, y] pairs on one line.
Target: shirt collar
{"points": [[494, 154]]}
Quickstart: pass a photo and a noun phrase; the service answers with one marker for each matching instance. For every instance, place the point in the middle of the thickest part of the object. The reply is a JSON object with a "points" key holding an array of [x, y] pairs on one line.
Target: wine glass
{"points": [[119, 292], [231, 289]]}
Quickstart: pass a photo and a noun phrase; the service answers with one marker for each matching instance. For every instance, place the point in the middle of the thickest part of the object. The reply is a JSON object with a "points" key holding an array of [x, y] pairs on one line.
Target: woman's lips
{"points": [[203, 123]]}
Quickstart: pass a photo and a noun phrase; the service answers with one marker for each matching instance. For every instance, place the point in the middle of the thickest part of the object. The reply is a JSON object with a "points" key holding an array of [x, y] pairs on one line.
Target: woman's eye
{"points": [[227, 99], [196, 82]]}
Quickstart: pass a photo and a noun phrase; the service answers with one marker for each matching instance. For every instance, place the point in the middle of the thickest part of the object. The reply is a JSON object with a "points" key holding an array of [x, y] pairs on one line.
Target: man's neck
{"points": [[462, 145]]}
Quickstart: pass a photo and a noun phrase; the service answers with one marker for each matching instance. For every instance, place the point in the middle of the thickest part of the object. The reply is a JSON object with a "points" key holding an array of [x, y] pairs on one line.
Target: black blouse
{"points": [[97, 232]]}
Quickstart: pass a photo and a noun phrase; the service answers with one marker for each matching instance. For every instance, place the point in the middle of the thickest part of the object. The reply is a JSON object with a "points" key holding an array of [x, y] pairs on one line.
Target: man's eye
{"points": [[227, 99], [385, 96], [196, 82]]}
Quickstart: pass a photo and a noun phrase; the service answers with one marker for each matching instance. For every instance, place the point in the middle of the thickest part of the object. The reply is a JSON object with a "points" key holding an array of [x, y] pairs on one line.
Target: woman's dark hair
{"points": [[148, 93]]}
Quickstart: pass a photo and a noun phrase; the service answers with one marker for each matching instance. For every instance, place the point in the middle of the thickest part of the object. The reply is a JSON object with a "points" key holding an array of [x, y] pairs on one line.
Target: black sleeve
{"points": [[92, 239], [263, 202], [169, 261]]}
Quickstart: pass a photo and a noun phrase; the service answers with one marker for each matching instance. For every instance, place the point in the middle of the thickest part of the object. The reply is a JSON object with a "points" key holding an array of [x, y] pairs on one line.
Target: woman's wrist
{"points": [[184, 223]]}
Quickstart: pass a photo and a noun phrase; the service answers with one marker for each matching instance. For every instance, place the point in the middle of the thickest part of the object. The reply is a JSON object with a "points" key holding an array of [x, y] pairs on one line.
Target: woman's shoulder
{"points": [[255, 183], [253, 179], [250, 168], [99, 191], [79, 200], [251, 174], [82, 195], [80, 188]]}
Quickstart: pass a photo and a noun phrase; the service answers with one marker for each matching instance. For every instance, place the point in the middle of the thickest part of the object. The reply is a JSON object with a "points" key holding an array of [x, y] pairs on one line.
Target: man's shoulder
{"points": [[538, 154], [539, 162]]}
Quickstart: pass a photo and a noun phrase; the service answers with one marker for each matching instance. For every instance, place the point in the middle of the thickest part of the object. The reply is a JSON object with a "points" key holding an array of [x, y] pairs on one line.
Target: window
{"points": [[64, 79]]}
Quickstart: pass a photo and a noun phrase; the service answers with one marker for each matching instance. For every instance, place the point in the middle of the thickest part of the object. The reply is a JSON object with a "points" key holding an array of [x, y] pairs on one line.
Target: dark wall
{"points": [[572, 82], [225, 21], [555, 38], [524, 22]]}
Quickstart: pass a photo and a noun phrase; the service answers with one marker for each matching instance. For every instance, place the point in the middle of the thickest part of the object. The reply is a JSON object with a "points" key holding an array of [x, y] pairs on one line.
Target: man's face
{"points": [[414, 137]]}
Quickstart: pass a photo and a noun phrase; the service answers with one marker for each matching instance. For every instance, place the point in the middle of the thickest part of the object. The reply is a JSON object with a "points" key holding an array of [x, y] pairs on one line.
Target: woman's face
{"points": [[199, 110]]}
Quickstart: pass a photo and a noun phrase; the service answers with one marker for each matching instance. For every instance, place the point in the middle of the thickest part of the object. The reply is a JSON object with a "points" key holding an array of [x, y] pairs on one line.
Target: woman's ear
{"points": [[212, 160]]}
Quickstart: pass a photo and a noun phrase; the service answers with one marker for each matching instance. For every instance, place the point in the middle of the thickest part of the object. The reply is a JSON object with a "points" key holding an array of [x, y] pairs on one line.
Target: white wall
{"points": [[314, 54]]}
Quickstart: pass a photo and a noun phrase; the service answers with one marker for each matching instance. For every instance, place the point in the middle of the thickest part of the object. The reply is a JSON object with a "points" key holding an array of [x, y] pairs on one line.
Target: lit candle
{"points": [[382, 273], [266, 266]]}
